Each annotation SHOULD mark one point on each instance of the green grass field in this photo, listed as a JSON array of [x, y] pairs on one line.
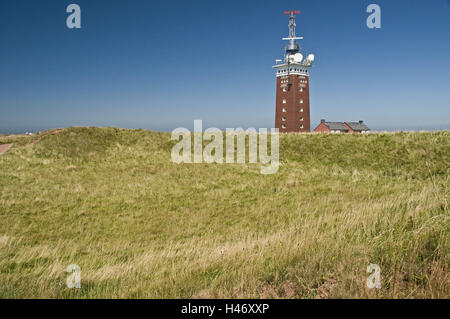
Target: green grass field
[[140, 226]]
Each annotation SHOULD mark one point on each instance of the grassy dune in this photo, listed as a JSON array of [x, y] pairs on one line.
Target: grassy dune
[[138, 225]]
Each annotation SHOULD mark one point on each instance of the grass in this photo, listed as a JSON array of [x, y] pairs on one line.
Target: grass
[[140, 226]]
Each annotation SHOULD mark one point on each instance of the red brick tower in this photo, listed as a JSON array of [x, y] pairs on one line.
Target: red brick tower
[[292, 102]]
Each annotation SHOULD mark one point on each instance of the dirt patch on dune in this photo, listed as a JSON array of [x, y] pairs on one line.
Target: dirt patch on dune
[[56, 131], [4, 148]]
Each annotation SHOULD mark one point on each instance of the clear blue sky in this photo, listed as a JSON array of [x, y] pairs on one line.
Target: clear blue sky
[[161, 64]]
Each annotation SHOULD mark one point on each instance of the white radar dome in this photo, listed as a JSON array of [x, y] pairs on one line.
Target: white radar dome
[[298, 57]]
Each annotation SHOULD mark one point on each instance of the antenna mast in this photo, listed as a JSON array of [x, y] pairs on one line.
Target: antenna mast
[[292, 47]]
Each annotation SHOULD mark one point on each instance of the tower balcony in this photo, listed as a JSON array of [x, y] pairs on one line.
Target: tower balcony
[[292, 69]]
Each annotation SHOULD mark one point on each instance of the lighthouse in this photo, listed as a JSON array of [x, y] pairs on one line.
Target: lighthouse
[[292, 112]]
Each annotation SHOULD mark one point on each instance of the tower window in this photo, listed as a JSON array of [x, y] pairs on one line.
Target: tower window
[[284, 101], [283, 118], [301, 110], [301, 119], [301, 125], [301, 89], [284, 89], [301, 101], [283, 126], [284, 109]]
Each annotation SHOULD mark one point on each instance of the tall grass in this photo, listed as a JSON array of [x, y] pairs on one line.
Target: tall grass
[[138, 225]]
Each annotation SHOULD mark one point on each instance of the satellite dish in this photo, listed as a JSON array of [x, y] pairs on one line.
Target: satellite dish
[[298, 57], [311, 57]]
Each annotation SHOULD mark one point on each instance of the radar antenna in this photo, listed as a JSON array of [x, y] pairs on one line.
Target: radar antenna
[[292, 47]]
